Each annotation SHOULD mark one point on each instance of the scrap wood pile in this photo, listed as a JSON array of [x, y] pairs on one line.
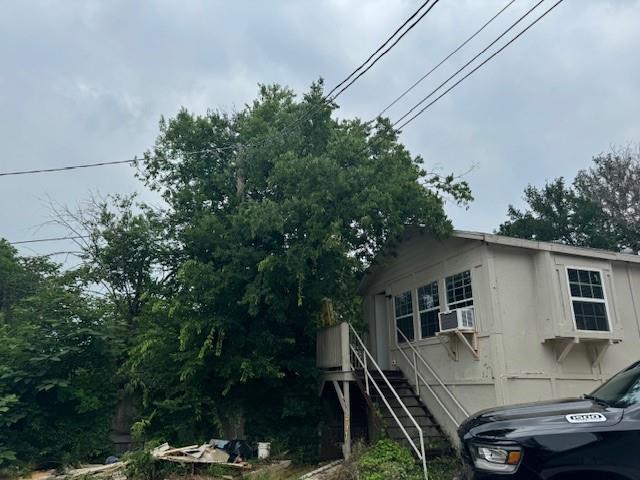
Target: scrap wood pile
[[113, 470], [205, 453]]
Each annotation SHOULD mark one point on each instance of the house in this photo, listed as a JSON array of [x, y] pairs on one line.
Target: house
[[529, 321]]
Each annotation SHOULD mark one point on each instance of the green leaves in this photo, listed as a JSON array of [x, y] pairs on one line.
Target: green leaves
[[598, 210], [271, 210], [56, 372]]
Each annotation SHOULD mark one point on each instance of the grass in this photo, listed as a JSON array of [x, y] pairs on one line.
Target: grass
[[443, 468]]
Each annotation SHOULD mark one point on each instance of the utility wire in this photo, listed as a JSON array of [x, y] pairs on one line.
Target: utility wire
[[328, 98], [379, 48], [98, 164], [362, 65], [433, 92], [53, 239], [387, 50], [421, 79], [69, 167], [479, 66]]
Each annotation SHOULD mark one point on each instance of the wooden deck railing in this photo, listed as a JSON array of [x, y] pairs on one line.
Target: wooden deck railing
[[332, 348]]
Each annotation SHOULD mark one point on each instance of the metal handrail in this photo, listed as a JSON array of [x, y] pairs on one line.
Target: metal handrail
[[364, 364], [434, 374]]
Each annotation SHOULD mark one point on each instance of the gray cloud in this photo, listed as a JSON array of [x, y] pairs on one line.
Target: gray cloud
[[86, 81]]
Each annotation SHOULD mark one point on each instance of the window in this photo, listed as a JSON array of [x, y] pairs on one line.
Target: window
[[429, 307], [622, 391], [459, 293], [587, 298], [404, 315]]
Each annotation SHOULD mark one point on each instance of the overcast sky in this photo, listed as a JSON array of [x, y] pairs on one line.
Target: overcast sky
[[87, 81]]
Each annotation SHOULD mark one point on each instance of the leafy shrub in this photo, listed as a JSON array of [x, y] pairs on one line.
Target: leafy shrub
[[139, 465], [57, 393], [388, 460]]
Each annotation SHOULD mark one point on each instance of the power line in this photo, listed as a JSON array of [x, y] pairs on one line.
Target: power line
[[328, 98], [52, 239], [99, 164], [387, 50], [455, 74], [481, 64], [361, 66], [69, 167], [421, 79]]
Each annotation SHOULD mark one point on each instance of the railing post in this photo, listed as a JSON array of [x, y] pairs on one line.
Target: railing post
[[345, 352], [346, 447], [366, 377], [415, 371]]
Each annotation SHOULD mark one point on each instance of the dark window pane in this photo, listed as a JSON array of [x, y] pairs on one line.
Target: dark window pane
[[591, 316], [575, 290], [429, 324], [585, 284], [405, 325], [403, 304], [428, 296], [459, 290], [573, 275], [583, 275]]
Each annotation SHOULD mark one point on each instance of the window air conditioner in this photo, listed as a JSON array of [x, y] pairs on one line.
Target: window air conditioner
[[462, 319]]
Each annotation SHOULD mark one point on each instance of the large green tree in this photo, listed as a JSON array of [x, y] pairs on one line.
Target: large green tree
[[56, 366], [269, 211], [599, 209]]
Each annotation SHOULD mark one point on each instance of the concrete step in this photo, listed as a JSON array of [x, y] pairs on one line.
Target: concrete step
[[435, 442], [408, 399], [434, 447], [394, 431], [424, 421]]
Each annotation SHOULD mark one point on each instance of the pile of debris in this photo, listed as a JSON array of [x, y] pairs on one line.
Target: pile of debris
[[110, 471], [232, 453]]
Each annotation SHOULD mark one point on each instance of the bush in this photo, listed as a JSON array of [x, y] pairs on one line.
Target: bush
[[388, 460]]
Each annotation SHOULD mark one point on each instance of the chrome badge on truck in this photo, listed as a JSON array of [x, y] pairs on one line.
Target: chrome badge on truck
[[586, 418]]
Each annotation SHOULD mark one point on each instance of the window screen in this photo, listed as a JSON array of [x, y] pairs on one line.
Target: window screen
[[459, 292], [587, 298], [403, 305], [429, 307]]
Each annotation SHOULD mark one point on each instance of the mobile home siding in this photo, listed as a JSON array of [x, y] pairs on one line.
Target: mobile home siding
[[523, 312]]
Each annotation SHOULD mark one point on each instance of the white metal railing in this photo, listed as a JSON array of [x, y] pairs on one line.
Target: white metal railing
[[419, 377], [362, 358]]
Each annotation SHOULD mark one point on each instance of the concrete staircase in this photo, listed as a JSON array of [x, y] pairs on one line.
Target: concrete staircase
[[435, 441]]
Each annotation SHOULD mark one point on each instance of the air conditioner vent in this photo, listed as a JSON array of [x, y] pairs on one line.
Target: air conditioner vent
[[462, 319]]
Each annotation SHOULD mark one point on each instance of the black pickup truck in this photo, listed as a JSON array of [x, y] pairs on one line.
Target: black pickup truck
[[594, 437]]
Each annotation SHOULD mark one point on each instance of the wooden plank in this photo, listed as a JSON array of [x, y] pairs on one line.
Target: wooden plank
[[320, 470], [340, 396], [188, 459], [93, 469], [567, 349]]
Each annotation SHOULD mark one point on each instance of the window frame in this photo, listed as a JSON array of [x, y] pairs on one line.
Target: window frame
[[604, 299], [446, 292], [437, 308], [411, 315]]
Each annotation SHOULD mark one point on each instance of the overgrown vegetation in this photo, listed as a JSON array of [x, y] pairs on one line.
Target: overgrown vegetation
[[205, 310], [56, 365], [388, 460]]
